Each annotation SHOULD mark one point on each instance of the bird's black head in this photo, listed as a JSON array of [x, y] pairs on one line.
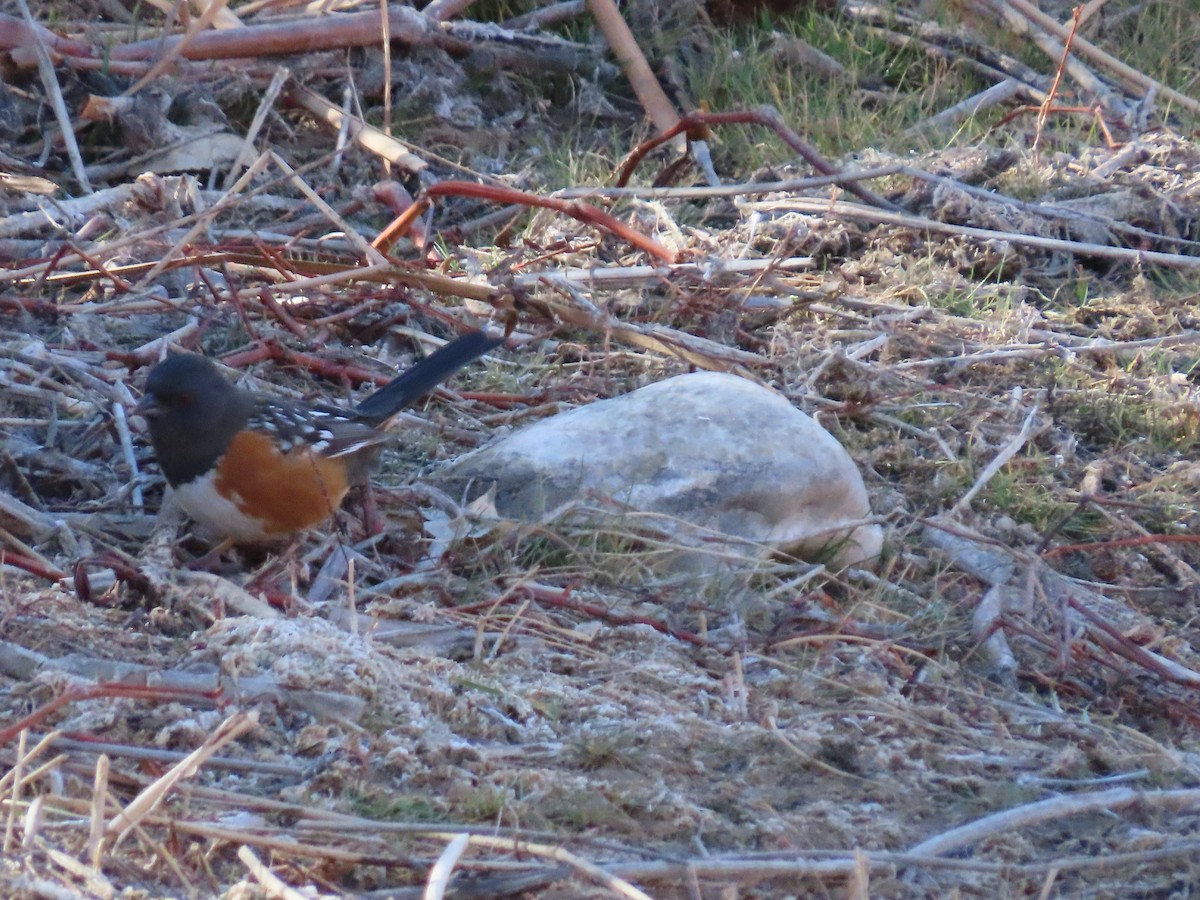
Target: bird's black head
[[192, 412], [176, 383]]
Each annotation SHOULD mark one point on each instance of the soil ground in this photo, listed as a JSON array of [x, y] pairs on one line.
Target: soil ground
[[1022, 398]]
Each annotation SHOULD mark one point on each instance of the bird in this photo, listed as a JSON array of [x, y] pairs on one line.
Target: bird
[[255, 470]]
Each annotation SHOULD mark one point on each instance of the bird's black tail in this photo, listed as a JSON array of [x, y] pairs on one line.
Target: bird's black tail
[[407, 388]]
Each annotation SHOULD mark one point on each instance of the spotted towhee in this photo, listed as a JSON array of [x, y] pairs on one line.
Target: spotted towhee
[[256, 469]]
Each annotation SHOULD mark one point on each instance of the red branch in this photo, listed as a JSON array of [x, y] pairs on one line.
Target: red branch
[[694, 123]]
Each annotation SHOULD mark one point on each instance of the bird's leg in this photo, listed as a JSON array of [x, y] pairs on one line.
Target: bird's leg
[[207, 561]]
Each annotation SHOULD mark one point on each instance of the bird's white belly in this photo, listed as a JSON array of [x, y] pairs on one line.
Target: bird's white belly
[[218, 517]]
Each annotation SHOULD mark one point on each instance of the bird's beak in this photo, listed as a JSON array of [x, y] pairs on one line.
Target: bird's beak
[[148, 407]]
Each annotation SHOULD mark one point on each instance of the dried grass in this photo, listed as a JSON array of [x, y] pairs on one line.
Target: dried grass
[[1007, 704]]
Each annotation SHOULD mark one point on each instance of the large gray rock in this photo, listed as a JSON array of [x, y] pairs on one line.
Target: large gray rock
[[711, 451]]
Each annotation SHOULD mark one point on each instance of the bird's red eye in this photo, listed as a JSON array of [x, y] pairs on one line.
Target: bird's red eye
[[185, 399]]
